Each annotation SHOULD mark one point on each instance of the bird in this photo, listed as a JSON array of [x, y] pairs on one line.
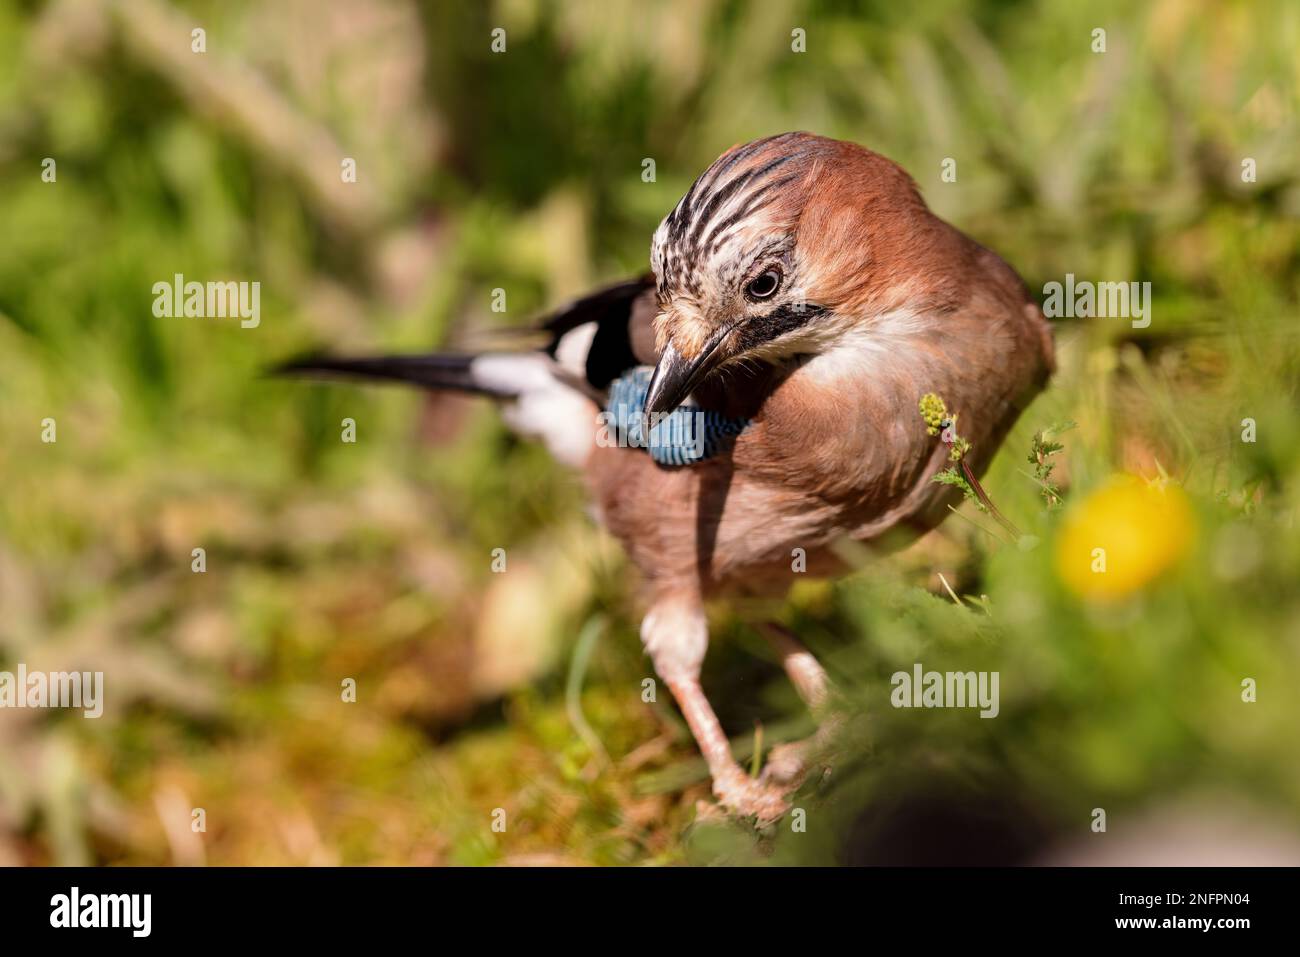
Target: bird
[[751, 401]]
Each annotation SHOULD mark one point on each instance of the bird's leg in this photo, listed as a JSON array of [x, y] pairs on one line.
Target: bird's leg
[[788, 764], [805, 672], [675, 633]]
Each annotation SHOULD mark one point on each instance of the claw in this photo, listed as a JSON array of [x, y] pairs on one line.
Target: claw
[[744, 796], [789, 765]]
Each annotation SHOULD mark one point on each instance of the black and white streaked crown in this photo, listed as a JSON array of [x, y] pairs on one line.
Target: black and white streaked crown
[[712, 225]]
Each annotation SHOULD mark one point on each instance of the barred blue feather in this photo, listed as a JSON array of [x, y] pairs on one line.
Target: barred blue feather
[[685, 436]]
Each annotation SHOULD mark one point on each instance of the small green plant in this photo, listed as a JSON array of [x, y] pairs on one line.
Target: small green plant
[[938, 421], [951, 476], [1041, 450]]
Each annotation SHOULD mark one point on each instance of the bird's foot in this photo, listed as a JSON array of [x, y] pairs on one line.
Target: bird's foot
[[743, 796], [789, 765]]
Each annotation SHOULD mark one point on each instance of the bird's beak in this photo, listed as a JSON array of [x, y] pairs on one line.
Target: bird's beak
[[675, 377]]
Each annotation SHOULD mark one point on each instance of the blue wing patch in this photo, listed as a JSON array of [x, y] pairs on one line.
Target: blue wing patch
[[685, 436]]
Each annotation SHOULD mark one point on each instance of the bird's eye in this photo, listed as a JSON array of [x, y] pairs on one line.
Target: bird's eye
[[764, 285]]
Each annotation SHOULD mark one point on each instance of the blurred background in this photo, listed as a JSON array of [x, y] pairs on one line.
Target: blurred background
[[371, 560]]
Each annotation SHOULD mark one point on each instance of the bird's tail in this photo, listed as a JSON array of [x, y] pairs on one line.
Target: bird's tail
[[459, 373], [540, 400]]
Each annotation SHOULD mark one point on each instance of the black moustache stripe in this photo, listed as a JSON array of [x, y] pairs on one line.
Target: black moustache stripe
[[787, 318]]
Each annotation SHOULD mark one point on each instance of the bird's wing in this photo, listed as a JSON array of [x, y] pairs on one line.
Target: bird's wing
[[603, 335]]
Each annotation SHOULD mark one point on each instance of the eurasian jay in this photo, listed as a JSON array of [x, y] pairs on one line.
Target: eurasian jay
[[803, 299]]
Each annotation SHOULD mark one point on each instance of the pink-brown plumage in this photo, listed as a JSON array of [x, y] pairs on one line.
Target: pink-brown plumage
[[836, 448]]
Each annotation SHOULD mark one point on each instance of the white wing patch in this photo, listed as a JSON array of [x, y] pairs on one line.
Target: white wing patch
[[543, 407], [573, 347]]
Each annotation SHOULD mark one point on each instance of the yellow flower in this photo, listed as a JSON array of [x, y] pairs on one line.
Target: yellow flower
[[933, 411], [1123, 536]]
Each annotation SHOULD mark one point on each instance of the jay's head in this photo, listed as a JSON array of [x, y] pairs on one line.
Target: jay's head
[[783, 247]]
